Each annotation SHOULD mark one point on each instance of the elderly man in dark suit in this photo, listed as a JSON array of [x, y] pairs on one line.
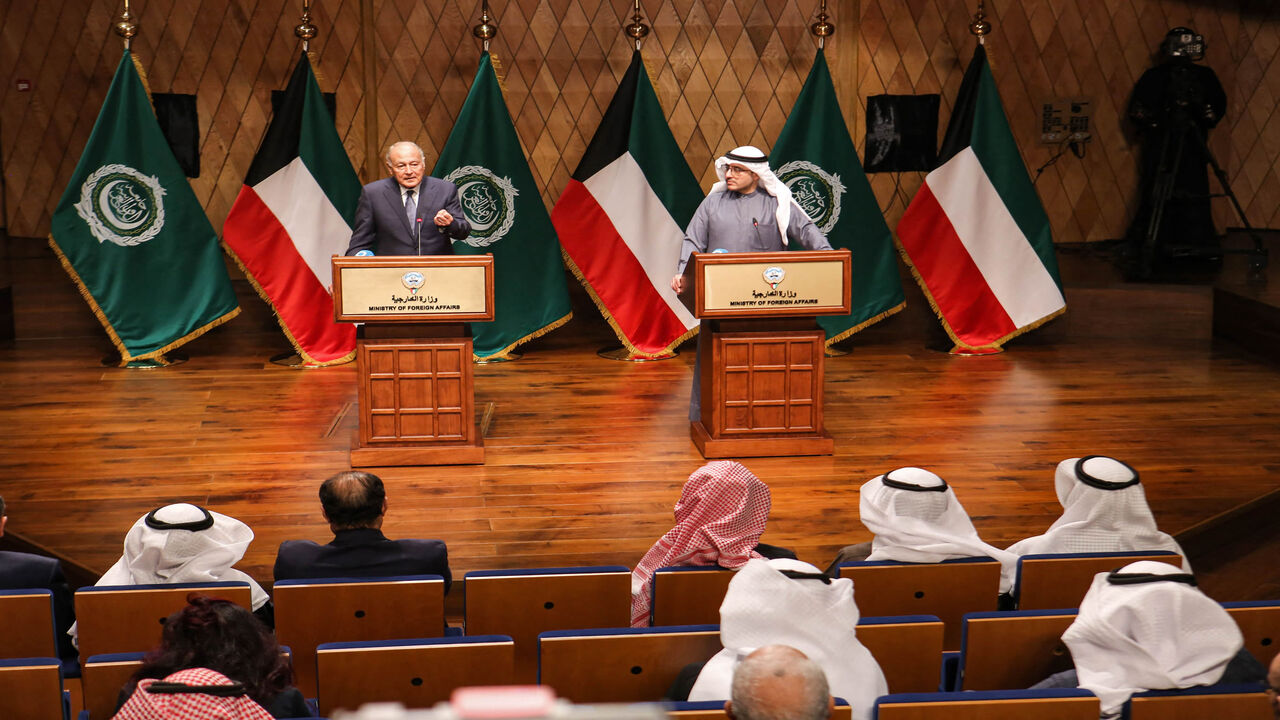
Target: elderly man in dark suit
[[20, 571], [408, 213], [355, 503]]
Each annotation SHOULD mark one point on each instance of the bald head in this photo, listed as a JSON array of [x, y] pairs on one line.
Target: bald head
[[777, 682], [353, 500]]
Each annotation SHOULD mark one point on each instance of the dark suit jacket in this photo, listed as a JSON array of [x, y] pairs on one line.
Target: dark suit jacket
[[20, 570], [383, 228], [362, 553]]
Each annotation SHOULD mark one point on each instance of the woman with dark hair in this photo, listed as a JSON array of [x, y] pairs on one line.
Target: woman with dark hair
[[219, 635]]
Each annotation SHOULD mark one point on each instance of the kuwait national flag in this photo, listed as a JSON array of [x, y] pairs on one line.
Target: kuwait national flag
[[621, 220], [975, 234], [294, 212]]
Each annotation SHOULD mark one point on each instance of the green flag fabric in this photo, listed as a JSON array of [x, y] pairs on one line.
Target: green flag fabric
[[132, 235], [815, 157], [483, 158]]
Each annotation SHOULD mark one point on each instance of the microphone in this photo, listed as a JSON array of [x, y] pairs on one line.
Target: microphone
[[364, 253], [418, 235], [754, 223]]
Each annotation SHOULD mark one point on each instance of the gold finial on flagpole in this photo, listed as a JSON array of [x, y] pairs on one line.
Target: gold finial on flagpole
[[980, 27], [822, 29], [637, 29], [305, 30], [486, 30], [126, 28]]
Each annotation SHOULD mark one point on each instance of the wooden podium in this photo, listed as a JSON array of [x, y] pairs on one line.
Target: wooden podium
[[413, 354], [761, 357]]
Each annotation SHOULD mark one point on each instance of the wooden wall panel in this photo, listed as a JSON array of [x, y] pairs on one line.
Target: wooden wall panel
[[726, 73]]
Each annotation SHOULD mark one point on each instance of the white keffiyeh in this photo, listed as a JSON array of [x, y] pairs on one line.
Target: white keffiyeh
[[769, 182], [917, 518], [765, 607], [1104, 509], [1148, 636]]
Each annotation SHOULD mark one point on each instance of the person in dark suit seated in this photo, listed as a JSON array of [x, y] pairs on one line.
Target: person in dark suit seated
[[720, 517], [355, 503], [21, 571], [408, 213], [223, 637]]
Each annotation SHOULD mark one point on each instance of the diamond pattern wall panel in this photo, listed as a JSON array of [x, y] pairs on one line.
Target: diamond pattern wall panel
[[725, 71]]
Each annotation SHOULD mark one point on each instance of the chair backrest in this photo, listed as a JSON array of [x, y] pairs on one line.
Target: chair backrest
[[1015, 649], [415, 673], [523, 603], [128, 618], [1050, 582], [101, 679], [689, 595], [1259, 622], [1072, 704], [1226, 701], [26, 624], [907, 648], [621, 665], [311, 612], [947, 590], [714, 710], [31, 688]]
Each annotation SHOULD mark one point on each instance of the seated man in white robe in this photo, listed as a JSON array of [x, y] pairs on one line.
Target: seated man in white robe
[[1103, 510]]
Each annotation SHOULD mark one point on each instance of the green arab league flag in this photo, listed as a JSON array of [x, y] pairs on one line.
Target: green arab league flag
[[132, 235], [815, 157], [483, 158]]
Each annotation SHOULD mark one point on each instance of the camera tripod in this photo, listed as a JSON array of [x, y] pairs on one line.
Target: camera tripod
[[1162, 192]]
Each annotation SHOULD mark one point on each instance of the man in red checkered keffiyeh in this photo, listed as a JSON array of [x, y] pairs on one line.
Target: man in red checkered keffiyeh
[[719, 520], [191, 694]]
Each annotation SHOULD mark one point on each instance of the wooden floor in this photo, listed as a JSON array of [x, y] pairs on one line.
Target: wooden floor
[[585, 456]]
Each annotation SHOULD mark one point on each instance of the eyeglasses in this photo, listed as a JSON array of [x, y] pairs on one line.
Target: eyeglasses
[[736, 170], [401, 167]]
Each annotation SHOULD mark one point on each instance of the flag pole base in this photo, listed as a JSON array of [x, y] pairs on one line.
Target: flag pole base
[[959, 351], [833, 351], [624, 355], [171, 358], [494, 360], [293, 360]]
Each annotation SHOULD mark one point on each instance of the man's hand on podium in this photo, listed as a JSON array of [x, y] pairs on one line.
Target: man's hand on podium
[[677, 284]]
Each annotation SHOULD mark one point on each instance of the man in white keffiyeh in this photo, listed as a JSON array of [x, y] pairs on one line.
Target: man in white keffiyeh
[[1148, 627], [1103, 510], [788, 602], [183, 543], [917, 518]]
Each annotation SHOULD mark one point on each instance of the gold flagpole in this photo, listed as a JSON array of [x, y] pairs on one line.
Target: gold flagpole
[[126, 28], [980, 27], [822, 29], [637, 30], [305, 30], [487, 29]]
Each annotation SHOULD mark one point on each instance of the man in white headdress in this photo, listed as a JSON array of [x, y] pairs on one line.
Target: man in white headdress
[[788, 602], [778, 681], [748, 210], [185, 543], [1103, 510], [1147, 626], [917, 518]]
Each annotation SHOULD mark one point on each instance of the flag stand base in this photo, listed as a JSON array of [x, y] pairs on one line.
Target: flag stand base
[[833, 351], [171, 358], [623, 354], [959, 351], [509, 357]]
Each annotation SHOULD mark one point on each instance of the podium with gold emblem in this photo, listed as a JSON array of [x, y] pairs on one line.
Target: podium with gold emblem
[[413, 355], [762, 353]]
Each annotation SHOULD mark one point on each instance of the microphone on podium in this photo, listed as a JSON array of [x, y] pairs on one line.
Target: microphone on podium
[[364, 253]]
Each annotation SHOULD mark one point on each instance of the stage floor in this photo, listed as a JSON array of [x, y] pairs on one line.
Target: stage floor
[[586, 456]]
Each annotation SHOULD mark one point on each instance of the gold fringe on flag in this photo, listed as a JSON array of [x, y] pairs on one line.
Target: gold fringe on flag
[[867, 323], [505, 353]]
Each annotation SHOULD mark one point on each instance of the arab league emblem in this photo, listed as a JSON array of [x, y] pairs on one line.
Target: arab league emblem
[[489, 202], [121, 205], [815, 190]]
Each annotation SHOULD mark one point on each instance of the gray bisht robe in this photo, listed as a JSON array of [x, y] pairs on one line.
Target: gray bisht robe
[[746, 223]]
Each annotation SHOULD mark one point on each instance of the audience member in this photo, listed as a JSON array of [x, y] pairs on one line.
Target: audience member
[[778, 682], [186, 543], [191, 694], [223, 637], [917, 518], [355, 503], [719, 520], [1103, 510], [1273, 685], [788, 602], [20, 570], [1147, 626]]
